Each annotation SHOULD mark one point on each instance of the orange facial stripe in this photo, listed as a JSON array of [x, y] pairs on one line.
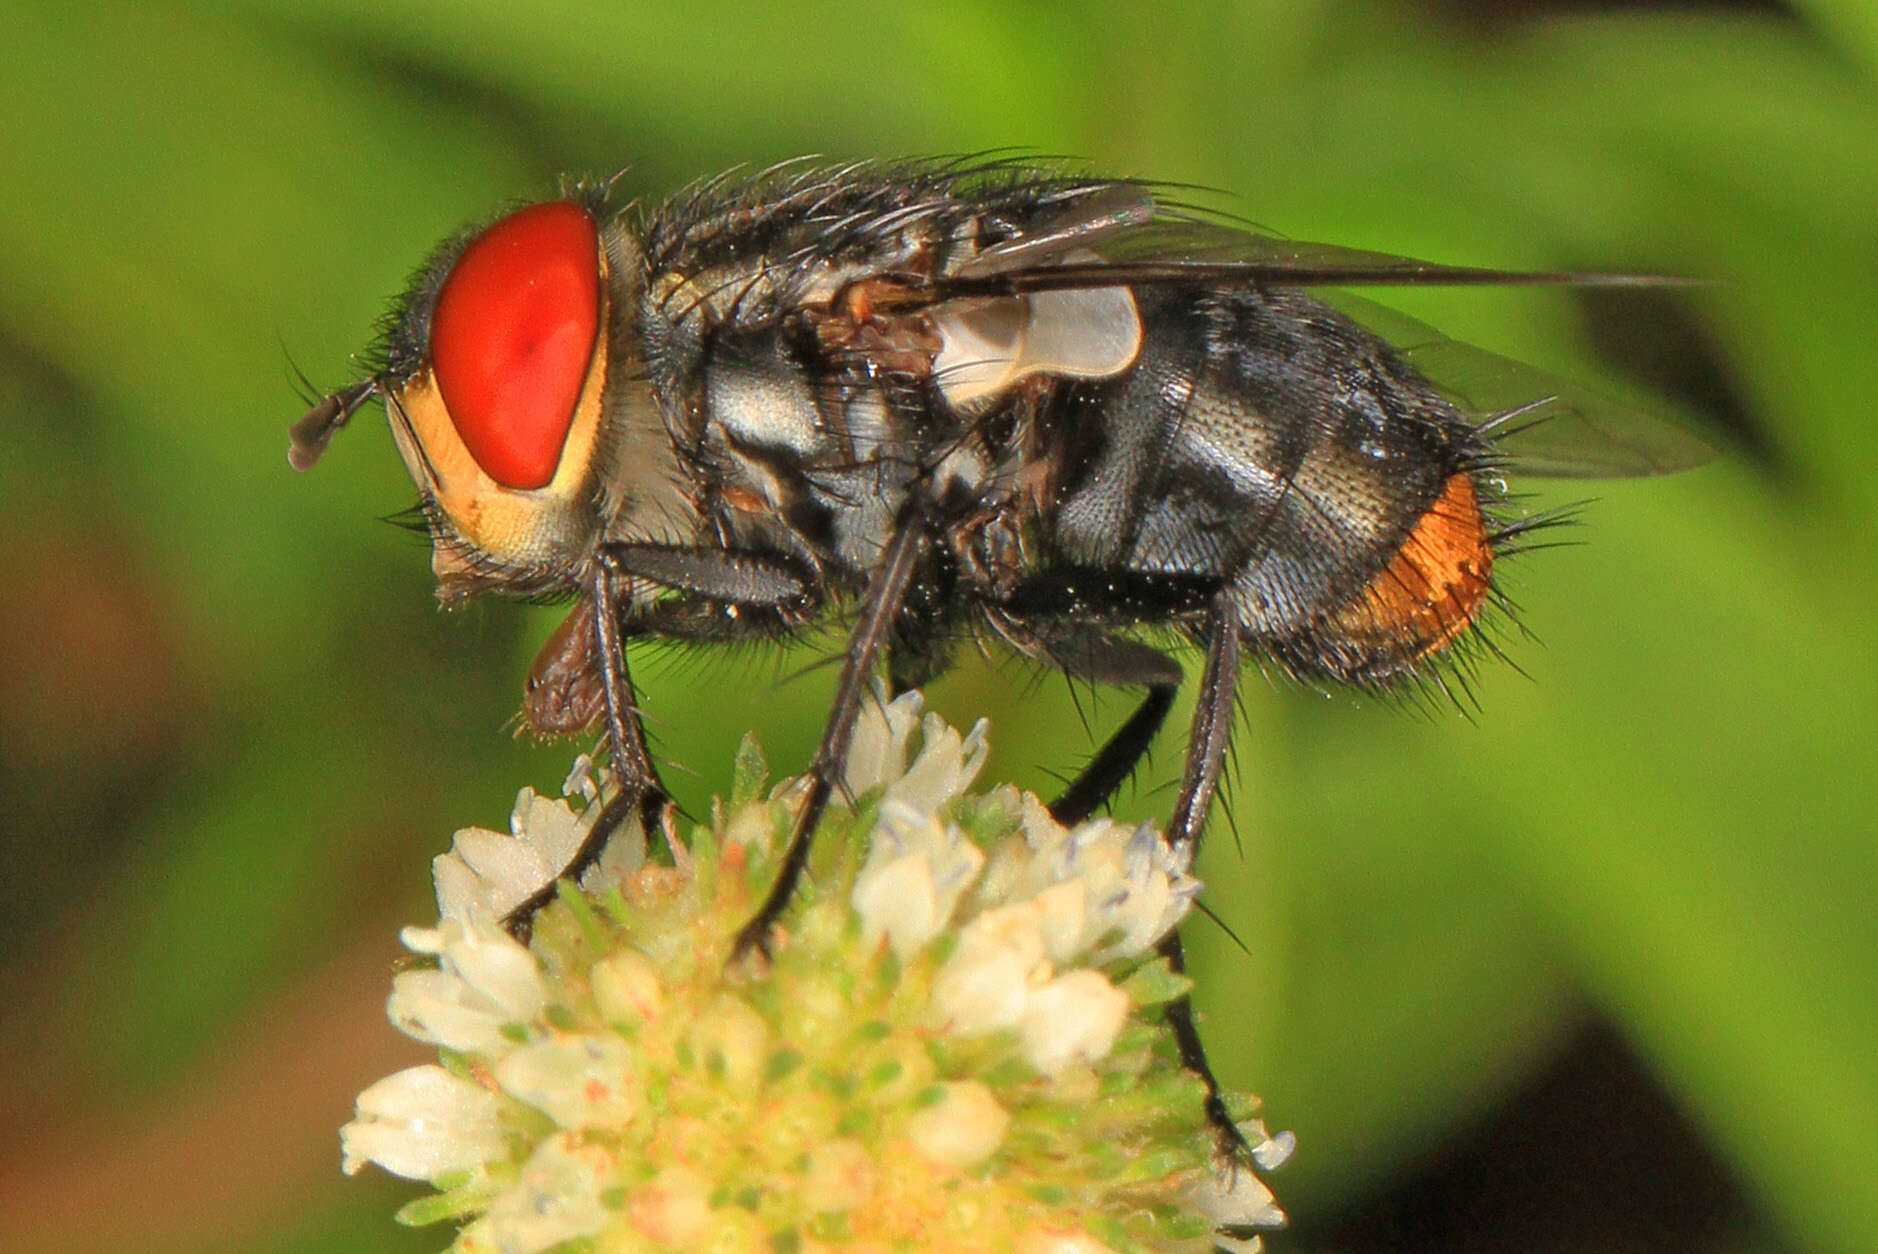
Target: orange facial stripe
[[1433, 590]]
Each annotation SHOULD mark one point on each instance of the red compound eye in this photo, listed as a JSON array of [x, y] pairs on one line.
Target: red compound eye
[[512, 335]]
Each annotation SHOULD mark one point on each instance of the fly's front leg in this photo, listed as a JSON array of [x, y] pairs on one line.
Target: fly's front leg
[[633, 771], [886, 592], [727, 576], [718, 594]]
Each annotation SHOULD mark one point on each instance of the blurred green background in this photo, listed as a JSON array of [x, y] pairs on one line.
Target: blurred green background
[[1594, 969]]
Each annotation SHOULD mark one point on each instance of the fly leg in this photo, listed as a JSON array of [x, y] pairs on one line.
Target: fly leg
[[720, 594], [1116, 760], [1040, 616], [886, 591], [1206, 756], [1212, 723], [1179, 1015], [638, 779], [1105, 659]]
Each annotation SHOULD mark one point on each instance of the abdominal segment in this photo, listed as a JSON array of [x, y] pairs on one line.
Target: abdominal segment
[[1431, 592]]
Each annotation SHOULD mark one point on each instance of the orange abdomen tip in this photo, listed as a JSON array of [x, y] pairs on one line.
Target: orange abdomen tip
[[1434, 587]]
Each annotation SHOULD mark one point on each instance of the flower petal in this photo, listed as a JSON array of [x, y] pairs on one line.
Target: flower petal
[[582, 1080], [946, 765], [963, 1128], [984, 985], [496, 967], [1075, 1018], [556, 1199], [917, 871], [877, 751], [437, 1008], [420, 1123], [1233, 1195]]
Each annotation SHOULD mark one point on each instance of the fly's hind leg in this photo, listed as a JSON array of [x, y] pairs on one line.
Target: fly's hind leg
[[1212, 723], [1206, 757], [1047, 617], [1102, 658]]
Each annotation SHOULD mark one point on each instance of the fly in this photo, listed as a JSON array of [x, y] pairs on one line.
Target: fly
[[962, 399]]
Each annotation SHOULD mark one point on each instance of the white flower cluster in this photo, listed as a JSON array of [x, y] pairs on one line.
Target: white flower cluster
[[487, 874], [529, 1125], [1038, 902]]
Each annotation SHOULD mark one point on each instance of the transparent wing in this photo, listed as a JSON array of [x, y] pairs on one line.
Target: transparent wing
[[1114, 235], [1545, 425]]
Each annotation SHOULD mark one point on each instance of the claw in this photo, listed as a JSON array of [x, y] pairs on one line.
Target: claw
[[520, 922], [751, 949]]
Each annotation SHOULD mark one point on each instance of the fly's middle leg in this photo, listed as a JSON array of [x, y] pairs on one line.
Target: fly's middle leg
[[1116, 760], [886, 592], [1049, 617]]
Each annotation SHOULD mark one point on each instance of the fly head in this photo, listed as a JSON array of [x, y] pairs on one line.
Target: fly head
[[513, 384]]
